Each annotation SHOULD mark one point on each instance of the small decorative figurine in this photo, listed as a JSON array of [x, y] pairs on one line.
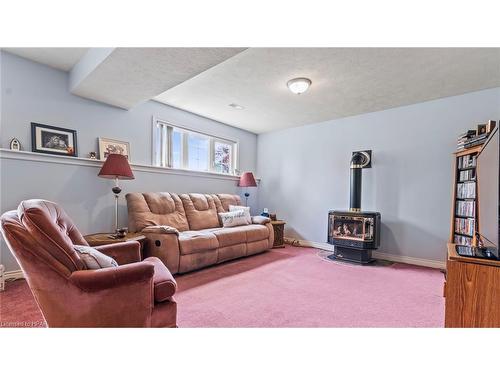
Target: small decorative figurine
[[15, 144], [122, 232], [92, 155]]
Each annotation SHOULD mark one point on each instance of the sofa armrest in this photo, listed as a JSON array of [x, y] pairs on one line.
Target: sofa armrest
[[164, 246], [113, 277], [122, 252], [160, 229], [260, 220]]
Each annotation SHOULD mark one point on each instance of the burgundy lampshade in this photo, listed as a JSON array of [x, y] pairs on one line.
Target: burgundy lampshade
[[116, 166], [247, 180]]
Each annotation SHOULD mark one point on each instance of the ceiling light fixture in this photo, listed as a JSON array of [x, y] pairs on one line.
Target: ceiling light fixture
[[299, 85], [236, 106]]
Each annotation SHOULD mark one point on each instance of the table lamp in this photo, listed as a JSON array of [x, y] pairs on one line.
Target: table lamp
[[247, 180], [116, 166]]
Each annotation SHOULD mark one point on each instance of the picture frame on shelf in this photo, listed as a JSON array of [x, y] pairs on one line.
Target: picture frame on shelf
[[481, 129], [47, 139], [113, 146]]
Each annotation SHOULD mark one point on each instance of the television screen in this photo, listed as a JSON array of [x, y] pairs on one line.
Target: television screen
[[488, 174]]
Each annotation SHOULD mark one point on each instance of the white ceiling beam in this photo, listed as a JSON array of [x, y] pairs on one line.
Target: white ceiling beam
[[125, 77], [87, 64]]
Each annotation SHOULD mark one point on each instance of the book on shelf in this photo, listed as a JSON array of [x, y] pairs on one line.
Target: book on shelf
[[463, 240], [467, 161], [467, 175], [475, 137], [465, 226], [476, 141], [466, 190], [464, 137], [465, 208]]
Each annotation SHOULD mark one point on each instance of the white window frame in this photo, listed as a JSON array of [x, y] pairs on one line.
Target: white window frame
[[162, 147]]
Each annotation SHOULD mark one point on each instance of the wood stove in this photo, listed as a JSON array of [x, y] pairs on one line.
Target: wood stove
[[355, 233]]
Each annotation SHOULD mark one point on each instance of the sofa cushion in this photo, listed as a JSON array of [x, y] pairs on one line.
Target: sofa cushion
[[242, 234], [146, 209], [201, 211], [256, 232], [227, 199], [163, 282], [230, 236], [191, 242]]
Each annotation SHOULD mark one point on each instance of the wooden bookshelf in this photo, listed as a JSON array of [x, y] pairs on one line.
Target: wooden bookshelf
[[472, 285], [457, 233]]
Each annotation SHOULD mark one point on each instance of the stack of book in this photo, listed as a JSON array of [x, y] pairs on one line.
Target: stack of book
[[476, 141], [465, 137]]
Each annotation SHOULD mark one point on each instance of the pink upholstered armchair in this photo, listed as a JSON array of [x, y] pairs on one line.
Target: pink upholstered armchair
[[134, 294]]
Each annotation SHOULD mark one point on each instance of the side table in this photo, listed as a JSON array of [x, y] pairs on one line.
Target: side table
[[279, 232], [98, 239]]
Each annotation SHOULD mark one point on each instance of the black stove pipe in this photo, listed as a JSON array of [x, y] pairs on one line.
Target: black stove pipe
[[358, 161], [356, 181]]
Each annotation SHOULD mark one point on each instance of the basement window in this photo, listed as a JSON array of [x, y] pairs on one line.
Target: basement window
[[182, 148]]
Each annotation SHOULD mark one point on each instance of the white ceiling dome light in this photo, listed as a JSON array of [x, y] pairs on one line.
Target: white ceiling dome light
[[299, 85]]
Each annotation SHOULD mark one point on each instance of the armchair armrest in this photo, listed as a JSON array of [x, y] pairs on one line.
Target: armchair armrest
[[107, 278], [260, 220], [165, 285], [122, 252], [160, 229]]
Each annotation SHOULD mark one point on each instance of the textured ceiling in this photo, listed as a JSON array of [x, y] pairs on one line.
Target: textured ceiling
[[129, 76], [345, 82], [59, 58]]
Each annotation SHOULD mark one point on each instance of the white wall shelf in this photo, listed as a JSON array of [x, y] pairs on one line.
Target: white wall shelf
[[70, 160]]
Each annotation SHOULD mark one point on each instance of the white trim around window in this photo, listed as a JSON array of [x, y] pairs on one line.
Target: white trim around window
[[181, 147]]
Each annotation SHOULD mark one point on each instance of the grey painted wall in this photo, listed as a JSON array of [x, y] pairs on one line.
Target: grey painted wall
[[34, 92], [305, 170]]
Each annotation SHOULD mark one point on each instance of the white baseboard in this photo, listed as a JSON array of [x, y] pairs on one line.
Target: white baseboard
[[376, 254], [17, 274]]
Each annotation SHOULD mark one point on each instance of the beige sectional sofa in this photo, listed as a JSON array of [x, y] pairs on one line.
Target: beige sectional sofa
[[185, 232]]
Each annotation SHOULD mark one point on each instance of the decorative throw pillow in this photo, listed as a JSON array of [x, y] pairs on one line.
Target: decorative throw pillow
[[233, 219], [245, 209], [94, 259]]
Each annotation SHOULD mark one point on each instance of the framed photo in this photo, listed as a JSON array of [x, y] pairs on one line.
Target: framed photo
[[53, 140], [481, 129], [112, 146]]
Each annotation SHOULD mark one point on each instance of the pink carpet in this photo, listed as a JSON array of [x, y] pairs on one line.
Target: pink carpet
[[290, 287]]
